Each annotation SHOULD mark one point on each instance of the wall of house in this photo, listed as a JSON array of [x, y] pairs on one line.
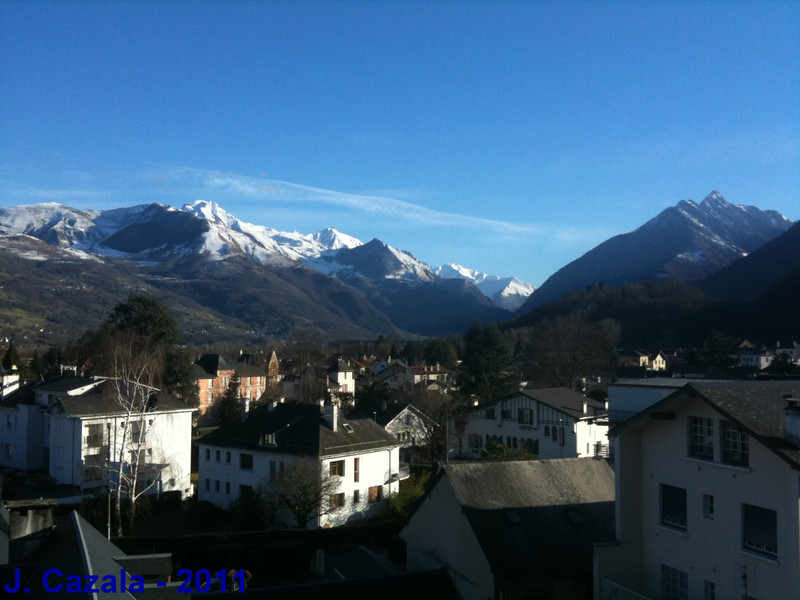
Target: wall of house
[[710, 548], [379, 469], [168, 446], [504, 426], [588, 434], [439, 535], [21, 437], [220, 476]]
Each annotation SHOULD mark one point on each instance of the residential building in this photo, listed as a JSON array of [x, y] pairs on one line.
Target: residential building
[[628, 397], [341, 379], [73, 429], [9, 381], [269, 440], [707, 496], [400, 376], [547, 423], [514, 530], [213, 374], [405, 422]]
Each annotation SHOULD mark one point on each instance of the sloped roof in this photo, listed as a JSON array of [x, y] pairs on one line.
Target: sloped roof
[[101, 400], [383, 415], [536, 517], [299, 429], [562, 398], [340, 366], [756, 406]]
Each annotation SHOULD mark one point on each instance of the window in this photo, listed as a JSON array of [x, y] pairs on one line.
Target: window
[[375, 494], [525, 416], [93, 470], [735, 445], [216, 485], [561, 437], [547, 430], [554, 432], [760, 530], [208, 453], [246, 461], [337, 500], [490, 413], [337, 468], [708, 506], [227, 487], [709, 591], [356, 469], [217, 455], [506, 414], [207, 484], [94, 437], [674, 584], [138, 433], [356, 496], [273, 471], [228, 457], [701, 437], [673, 506]]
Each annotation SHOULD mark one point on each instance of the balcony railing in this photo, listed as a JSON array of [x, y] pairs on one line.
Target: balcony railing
[[93, 441]]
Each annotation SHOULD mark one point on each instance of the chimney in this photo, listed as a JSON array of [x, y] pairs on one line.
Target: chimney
[[331, 415], [791, 413]]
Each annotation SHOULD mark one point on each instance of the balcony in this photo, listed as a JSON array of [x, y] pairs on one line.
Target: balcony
[[403, 472]]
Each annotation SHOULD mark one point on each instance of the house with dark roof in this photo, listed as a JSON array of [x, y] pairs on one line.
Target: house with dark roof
[[404, 421], [547, 423], [361, 457], [213, 375], [514, 530], [707, 495], [400, 376]]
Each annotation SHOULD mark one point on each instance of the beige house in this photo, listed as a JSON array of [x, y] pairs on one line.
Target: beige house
[[707, 496]]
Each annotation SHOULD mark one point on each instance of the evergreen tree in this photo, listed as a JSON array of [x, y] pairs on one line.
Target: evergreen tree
[[229, 405], [486, 363]]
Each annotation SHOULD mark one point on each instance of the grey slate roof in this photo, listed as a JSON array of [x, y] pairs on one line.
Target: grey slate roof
[[100, 401], [536, 517], [299, 429], [757, 406]]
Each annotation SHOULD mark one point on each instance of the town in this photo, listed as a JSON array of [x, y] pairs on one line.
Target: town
[[425, 467]]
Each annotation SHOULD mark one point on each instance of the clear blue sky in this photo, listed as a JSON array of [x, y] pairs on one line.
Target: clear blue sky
[[510, 137]]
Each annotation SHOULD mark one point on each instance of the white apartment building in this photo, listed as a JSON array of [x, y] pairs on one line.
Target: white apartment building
[[707, 492], [258, 449]]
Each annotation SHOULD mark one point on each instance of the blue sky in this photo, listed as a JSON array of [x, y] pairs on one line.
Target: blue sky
[[510, 137]]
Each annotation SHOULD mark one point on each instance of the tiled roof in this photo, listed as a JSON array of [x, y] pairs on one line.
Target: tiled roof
[[536, 517], [299, 429]]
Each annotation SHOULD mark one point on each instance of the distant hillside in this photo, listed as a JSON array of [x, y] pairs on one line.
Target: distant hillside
[[686, 242]]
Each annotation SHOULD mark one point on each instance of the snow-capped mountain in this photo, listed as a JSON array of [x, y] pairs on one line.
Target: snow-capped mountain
[[686, 242], [508, 292], [185, 245]]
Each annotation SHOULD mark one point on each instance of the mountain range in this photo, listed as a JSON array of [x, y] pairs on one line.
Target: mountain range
[[62, 270], [255, 279], [686, 242]]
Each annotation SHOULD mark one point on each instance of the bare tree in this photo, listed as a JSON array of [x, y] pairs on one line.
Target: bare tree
[[134, 363], [306, 491]]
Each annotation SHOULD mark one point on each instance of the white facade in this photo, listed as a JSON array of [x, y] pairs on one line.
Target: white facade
[[79, 445], [627, 398], [703, 507], [70, 428], [553, 423], [366, 467]]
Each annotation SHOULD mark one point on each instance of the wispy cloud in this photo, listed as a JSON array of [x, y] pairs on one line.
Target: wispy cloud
[[271, 190]]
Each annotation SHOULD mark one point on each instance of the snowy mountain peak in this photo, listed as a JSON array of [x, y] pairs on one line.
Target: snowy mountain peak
[[333, 239], [211, 212], [508, 292]]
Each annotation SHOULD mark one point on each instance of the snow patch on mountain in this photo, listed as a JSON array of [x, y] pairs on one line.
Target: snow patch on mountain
[[507, 292]]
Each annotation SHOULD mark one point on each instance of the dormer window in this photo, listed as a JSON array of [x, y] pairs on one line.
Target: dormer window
[[269, 439]]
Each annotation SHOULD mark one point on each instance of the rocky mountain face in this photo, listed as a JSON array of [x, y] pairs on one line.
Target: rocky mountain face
[[267, 281], [686, 242]]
